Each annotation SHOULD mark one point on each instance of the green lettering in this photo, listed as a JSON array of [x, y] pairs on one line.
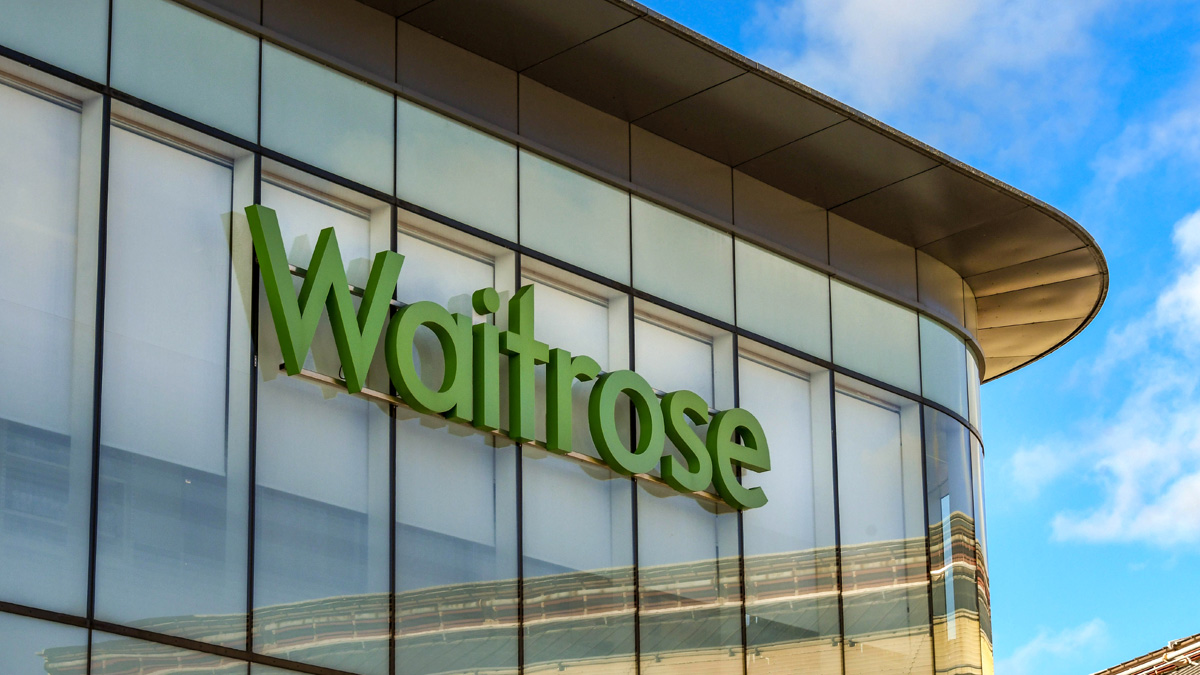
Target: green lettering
[[560, 376], [698, 473], [603, 422], [453, 398], [728, 454], [524, 354]]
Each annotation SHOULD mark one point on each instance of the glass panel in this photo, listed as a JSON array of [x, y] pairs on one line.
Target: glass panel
[[943, 366], [884, 574], [578, 564], [790, 546], [327, 119], [689, 583], [976, 417], [981, 573], [875, 337], [46, 421], [113, 655], [579, 323], [682, 260], [188, 63], [574, 218], [173, 502], [456, 503], [322, 534], [461, 173], [782, 300], [672, 358], [71, 34], [33, 647], [952, 544]]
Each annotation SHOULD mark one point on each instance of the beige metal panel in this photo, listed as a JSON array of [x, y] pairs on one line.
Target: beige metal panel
[[1019, 237], [837, 164], [1063, 300], [579, 130], [778, 219], [1025, 340], [1070, 265], [714, 122], [970, 310], [394, 7], [518, 33], [940, 288], [681, 174], [457, 77], [929, 206], [872, 257], [357, 34], [993, 368], [634, 70]]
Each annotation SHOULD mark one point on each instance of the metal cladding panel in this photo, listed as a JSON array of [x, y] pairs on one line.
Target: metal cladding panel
[[681, 174], [359, 35], [872, 257], [940, 287], [713, 122], [518, 33], [837, 164], [578, 130], [929, 206], [1019, 237], [395, 7], [454, 75], [1027, 340], [1063, 300], [634, 70], [779, 219], [1051, 269], [250, 10]]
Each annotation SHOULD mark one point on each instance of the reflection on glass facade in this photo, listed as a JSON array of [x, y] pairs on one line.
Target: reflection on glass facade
[[166, 479]]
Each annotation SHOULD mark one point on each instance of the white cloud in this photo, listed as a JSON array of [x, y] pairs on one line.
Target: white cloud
[[1054, 651], [1146, 454], [996, 75]]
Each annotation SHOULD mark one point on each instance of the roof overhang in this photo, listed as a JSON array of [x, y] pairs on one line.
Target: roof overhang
[[1038, 276]]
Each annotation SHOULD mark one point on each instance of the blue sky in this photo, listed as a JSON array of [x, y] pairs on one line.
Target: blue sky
[[1093, 454]]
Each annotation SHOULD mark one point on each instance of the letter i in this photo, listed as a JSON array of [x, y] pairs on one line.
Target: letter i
[[486, 375]]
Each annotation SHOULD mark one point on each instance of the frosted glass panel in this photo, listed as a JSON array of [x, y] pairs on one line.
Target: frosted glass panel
[[459, 172], [438, 273], [578, 565], [46, 358], [687, 572], [884, 563], [574, 218], [683, 261], [943, 366], [327, 119], [976, 416], [671, 360], [323, 490], [187, 63], [875, 337], [782, 300], [173, 501], [114, 654], [31, 647], [71, 34]]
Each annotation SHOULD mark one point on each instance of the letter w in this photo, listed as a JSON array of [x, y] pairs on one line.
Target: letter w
[[324, 284]]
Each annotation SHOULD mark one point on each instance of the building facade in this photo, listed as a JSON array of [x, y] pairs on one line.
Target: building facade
[[187, 486]]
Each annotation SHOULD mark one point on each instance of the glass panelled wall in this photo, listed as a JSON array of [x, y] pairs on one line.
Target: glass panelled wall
[[163, 478]]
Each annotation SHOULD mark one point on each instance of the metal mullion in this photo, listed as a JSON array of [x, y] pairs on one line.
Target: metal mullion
[[520, 492], [929, 544], [98, 363], [633, 487], [394, 239], [252, 446]]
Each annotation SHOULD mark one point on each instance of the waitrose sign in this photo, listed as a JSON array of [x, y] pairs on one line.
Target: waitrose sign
[[470, 388]]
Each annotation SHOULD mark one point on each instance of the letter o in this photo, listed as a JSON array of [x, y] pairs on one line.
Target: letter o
[[602, 421]]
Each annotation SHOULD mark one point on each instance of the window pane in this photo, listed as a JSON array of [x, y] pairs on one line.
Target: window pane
[[327, 119], [71, 34], [976, 417], [33, 647], [187, 63], [884, 574], [683, 261], [46, 421], [172, 486], [791, 559], [875, 337], [782, 300], [671, 359], [459, 172], [322, 496], [113, 655], [943, 366], [688, 583], [574, 218], [578, 548], [952, 544], [982, 580]]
